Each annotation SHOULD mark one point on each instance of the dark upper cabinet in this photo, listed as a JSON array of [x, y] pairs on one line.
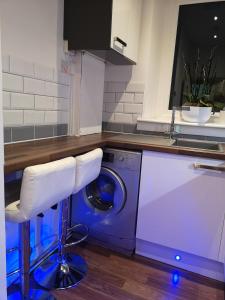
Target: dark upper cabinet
[[109, 29]]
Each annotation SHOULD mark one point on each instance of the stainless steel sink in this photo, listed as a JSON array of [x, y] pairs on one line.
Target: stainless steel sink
[[212, 146]]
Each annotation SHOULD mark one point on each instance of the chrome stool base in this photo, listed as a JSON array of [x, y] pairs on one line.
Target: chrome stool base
[[53, 274], [33, 295]]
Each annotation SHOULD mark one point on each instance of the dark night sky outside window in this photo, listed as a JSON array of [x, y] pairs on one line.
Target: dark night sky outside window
[[201, 28]]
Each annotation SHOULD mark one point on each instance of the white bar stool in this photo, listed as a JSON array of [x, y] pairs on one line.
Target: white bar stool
[[61, 271], [42, 187]]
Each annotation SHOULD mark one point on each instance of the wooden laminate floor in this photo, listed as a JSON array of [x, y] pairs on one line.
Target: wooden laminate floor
[[112, 276]]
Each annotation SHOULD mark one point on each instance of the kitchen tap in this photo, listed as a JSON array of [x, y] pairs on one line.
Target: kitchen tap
[[172, 131]]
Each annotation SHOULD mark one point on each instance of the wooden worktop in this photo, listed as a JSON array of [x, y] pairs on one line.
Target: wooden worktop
[[21, 155]]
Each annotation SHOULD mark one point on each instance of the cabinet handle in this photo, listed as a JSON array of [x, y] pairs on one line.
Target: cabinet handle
[[208, 167], [117, 39]]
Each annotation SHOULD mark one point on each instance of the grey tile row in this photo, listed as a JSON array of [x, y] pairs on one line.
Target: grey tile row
[[23, 133], [132, 128], [119, 127], [126, 128]]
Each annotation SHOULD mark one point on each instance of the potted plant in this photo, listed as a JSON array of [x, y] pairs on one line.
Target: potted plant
[[198, 84]]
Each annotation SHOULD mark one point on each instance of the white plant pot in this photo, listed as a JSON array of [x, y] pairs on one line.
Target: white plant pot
[[197, 114]]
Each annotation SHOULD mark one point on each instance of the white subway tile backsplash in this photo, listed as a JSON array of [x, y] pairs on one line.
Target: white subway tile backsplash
[[62, 78], [135, 87], [43, 72], [52, 89], [57, 90], [125, 97], [135, 117], [113, 107], [13, 83], [34, 86], [5, 63], [32, 117], [138, 98], [51, 117], [107, 117], [61, 104], [6, 100], [123, 118], [106, 83], [34, 94], [64, 104], [13, 117], [44, 103], [64, 91], [123, 102], [109, 97], [133, 108], [21, 67], [22, 101], [115, 86], [63, 117]]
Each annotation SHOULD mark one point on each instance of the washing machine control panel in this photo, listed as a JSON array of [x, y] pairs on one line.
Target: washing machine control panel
[[108, 157], [114, 157], [122, 159]]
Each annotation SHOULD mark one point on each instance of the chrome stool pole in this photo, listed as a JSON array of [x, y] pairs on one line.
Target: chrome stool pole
[[24, 292], [61, 270]]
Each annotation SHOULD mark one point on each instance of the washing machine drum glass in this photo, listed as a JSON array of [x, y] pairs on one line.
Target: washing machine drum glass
[[107, 192]]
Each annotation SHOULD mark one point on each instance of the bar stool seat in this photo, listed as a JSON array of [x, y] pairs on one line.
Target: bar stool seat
[[42, 187], [64, 270]]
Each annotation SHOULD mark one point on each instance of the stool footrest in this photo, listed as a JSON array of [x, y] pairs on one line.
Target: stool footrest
[[82, 238]]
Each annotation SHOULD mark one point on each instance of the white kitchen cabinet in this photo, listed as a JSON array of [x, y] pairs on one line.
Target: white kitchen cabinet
[[110, 29], [126, 22], [179, 206]]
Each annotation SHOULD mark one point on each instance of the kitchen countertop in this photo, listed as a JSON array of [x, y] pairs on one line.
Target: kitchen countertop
[[21, 155]]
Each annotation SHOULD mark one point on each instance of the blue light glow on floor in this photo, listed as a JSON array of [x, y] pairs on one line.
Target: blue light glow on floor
[[175, 278]]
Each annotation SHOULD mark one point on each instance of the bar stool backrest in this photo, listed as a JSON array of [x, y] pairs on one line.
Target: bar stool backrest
[[46, 185], [88, 167]]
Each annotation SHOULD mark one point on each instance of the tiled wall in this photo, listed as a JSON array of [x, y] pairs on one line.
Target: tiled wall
[[123, 104], [36, 100]]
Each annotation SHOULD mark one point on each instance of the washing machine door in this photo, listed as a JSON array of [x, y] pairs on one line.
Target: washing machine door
[[106, 194]]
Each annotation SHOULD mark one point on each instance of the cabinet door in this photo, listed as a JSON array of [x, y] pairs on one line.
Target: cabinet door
[[179, 206], [126, 20]]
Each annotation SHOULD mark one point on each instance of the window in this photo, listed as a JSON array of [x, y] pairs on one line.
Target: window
[[199, 61]]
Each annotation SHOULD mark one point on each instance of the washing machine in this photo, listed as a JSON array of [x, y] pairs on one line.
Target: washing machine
[[108, 205]]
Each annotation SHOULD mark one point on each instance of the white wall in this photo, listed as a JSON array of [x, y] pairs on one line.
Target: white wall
[[3, 295], [33, 30]]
